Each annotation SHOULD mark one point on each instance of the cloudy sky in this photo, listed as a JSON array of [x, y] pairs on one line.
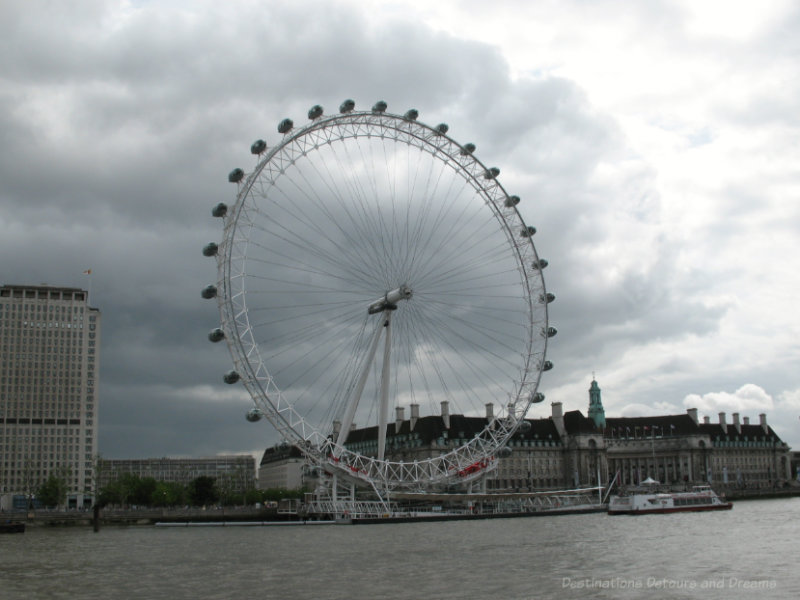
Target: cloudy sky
[[654, 145]]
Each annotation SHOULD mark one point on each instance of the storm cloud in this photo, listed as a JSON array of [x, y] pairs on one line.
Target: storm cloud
[[655, 154]]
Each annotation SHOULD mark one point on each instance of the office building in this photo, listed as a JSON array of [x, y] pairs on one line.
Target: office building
[[235, 471], [283, 466], [49, 370]]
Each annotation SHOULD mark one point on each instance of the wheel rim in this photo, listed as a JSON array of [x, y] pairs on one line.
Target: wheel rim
[[334, 217]]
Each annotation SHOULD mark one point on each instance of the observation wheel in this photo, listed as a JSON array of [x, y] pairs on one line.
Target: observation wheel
[[371, 264]]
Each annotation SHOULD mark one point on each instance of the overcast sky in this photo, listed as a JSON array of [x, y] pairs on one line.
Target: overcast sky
[[655, 146]]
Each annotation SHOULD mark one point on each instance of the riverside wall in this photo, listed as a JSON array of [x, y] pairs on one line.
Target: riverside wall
[[142, 516], [148, 516]]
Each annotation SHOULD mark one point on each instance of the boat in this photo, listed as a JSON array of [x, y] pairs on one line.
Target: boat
[[701, 498], [12, 527]]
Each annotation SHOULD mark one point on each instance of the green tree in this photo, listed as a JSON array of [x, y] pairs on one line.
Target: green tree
[[110, 493], [229, 487], [30, 481], [253, 495], [127, 483], [202, 491], [277, 494], [142, 491], [53, 492], [99, 468], [168, 493], [124, 490]]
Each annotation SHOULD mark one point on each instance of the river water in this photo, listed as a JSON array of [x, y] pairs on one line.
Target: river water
[[748, 552]]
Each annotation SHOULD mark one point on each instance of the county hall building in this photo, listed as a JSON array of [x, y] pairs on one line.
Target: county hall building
[[572, 449]]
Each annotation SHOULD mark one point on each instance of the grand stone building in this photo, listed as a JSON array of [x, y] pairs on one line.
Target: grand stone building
[[570, 450], [673, 449], [680, 449], [49, 372]]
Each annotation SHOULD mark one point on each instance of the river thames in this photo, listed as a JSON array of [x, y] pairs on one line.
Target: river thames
[[748, 552]]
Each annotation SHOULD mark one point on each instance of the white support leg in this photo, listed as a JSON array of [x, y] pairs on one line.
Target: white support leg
[[350, 413], [385, 376]]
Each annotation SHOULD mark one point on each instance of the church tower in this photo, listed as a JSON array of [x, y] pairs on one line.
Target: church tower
[[596, 411]]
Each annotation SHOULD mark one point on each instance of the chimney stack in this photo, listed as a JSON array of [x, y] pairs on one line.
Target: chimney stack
[[414, 415], [722, 422], [764, 425], [489, 412], [706, 420], [692, 412], [446, 414], [746, 420], [399, 417], [736, 423], [558, 419]]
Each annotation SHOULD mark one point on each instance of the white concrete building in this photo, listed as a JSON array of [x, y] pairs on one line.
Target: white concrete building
[[236, 470], [49, 371], [282, 467]]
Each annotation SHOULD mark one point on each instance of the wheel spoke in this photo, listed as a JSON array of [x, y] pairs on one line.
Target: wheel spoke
[[351, 223]]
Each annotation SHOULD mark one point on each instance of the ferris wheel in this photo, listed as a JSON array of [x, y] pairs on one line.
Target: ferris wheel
[[371, 263]]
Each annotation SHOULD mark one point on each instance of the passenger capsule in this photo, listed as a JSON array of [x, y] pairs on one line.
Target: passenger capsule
[[235, 176], [529, 231], [379, 107], [540, 264], [551, 332], [504, 452], [512, 201], [537, 397], [315, 112], [411, 114], [253, 415], [491, 173], [525, 426], [230, 377], [442, 128], [547, 298], [216, 335], [258, 147], [220, 210], [210, 249], [285, 126], [547, 365], [210, 291], [467, 149], [347, 106]]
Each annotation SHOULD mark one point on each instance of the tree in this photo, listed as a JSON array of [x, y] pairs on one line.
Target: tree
[[253, 496], [168, 493], [99, 467], [125, 489], [30, 474], [202, 491], [277, 494], [142, 490], [53, 492], [109, 494]]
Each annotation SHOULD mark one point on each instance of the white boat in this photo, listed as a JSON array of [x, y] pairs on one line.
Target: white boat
[[642, 503]]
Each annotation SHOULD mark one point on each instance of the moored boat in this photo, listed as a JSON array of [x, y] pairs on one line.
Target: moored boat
[[699, 499], [12, 527]]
